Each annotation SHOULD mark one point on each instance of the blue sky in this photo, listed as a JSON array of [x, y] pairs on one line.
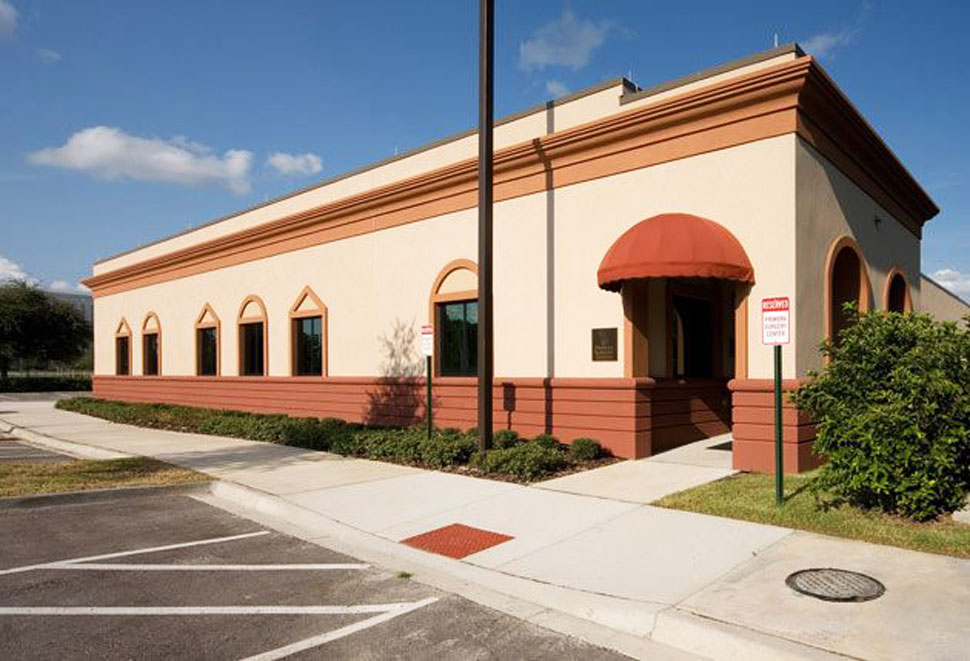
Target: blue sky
[[122, 122]]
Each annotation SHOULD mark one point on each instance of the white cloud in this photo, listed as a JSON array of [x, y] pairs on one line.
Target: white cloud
[[826, 43], [955, 281], [11, 270], [48, 55], [566, 41], [295, 164], [60, 285], [8, 20], [556, 88], [110, 153]]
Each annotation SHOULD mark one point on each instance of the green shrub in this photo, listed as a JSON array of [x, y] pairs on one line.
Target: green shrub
[[547, 441], [505, 438], [402, 445], [526, 461], [441, 451], [586, 449], [313, 433], [237, 424], [351, 444], [893, 413]]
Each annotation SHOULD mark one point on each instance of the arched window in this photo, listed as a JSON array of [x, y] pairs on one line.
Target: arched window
[[897, 298], [308, 335], [847, 282], [208, 327], [453, 309], [253, 331], [151, 345], [123, 348]]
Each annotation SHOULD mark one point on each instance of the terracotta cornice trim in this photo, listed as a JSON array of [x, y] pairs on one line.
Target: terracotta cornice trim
[[830, 123], [453, 187], [755, 106]]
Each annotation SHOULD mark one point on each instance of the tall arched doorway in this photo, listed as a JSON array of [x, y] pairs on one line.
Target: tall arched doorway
[[848, 282], [897, 293]]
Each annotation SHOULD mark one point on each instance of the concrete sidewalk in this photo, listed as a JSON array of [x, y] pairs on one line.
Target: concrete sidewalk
[[587, 555]]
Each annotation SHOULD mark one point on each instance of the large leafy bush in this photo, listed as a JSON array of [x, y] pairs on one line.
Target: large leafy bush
[[893, 413]]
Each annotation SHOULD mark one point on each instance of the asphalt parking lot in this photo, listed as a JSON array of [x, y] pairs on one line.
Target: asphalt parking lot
[[14, 451], [161, 575]]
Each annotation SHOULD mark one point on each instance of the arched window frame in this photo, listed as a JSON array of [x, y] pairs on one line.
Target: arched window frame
[[157, 332], [123, 330], [865, 297], [202, 323], [241, 321], [319, 310], [895, 272], [437, 297]]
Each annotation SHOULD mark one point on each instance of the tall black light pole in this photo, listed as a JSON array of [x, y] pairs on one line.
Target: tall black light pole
[[485, 92]]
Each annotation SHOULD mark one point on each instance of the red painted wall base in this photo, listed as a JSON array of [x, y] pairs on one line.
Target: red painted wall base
[[754, 428], [633, 418]]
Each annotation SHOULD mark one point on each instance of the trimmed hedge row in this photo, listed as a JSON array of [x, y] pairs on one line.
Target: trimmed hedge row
[[511, 456], [45, 383]]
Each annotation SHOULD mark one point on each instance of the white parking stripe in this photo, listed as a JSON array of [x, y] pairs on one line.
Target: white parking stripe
[[295, 567], [362, 609], [121, 554], [316, 641]]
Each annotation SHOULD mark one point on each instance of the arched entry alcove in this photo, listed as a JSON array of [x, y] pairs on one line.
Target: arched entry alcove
[[897, 297], [847, 281], [684, 282]]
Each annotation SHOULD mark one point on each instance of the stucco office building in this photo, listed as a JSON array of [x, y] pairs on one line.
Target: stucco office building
[[636, 232]]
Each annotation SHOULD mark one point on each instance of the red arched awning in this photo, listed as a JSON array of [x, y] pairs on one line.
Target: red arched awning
[[674, 245]]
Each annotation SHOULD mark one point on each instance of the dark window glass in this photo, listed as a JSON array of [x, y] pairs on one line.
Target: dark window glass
[[458, 338], [208, 358], [150, 354], [121, 356], [308, 345], [251, 349]]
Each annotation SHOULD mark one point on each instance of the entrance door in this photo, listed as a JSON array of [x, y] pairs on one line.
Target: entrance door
[[694, 341]]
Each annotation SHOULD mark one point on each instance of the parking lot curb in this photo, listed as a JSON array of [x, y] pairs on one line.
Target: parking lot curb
[[714, 639], [77, 450], [95, 495], [619, 624]]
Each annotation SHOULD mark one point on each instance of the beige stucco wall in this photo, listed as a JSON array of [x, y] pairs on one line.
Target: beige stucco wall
[[830, 206], [940, 303], [373, 282], [567, 114]]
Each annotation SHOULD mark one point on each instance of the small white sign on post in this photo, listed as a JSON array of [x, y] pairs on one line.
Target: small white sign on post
[[775, 320], [427, 340]]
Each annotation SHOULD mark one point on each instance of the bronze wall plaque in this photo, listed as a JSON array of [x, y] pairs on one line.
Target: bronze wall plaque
[[604, 344]]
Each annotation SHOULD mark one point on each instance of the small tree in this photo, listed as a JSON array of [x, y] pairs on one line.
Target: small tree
[[37, 327], [893, 412]]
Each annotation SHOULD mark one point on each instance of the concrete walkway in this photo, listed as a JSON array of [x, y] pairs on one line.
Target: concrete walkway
[[585, 548]]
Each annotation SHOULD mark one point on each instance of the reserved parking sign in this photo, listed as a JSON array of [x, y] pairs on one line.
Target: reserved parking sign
[[775, 320]]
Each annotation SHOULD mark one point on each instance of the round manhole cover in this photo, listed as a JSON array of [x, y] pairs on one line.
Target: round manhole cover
[[835, 585]]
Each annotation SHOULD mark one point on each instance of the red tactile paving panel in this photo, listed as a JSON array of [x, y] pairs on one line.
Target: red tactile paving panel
[[456, 540]]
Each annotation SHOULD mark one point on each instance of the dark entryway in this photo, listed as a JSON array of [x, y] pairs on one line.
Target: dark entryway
[[694, 339]]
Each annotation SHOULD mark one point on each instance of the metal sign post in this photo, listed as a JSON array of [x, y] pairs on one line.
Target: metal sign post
[[427, 348], [775, 326]]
